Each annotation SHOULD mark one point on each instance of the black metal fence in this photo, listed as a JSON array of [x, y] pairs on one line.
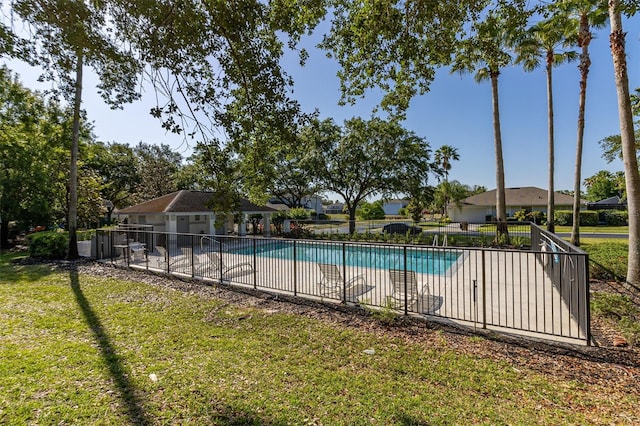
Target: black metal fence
[[522, 291]]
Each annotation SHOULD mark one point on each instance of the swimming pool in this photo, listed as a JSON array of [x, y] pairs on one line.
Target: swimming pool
[[425, 260]]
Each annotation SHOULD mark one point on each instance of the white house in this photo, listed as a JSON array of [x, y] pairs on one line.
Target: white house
[[481, 208], [335, 208], [392, 207]]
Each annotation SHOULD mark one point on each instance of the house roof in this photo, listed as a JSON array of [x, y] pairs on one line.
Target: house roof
[[188, 202], [609, 201], [524, 196]]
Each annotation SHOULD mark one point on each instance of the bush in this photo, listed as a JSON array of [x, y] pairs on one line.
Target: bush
[[298, 213], [520, 215], [48, 245], [589, 218], [615, 217], [565, 218]]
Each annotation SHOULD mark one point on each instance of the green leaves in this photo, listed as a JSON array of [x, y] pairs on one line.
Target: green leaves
[[371, 157], [394, 46]]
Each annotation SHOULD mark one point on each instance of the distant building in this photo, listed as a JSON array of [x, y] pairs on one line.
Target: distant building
[[611, 203], [482, 207], [392, 207], [335, 208]]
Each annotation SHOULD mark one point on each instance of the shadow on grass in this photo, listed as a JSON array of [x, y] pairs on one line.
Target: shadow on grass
[[133, 407]]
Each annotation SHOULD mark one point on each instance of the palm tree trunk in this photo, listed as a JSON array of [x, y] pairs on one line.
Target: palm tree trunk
[[584, 38], [632, 176], [72, 252], [551, 194], [501, 207]]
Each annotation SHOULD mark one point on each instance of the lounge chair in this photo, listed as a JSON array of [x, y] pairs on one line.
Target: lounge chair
[[332, 283], [406, 292], [218, 267], [164, 256], [174, 261]]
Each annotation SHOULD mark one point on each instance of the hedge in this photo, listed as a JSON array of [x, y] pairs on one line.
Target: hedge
[[565, 218], [615, 217]]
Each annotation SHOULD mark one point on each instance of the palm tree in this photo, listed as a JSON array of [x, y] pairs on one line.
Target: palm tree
[[589, 15], [543, 41], [486, 52], [632, 176], [443, 157]]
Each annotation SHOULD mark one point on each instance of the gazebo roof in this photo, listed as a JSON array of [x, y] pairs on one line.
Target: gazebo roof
[[186, 201]]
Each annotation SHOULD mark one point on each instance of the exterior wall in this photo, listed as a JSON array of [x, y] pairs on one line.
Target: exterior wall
[[199, 224], [334, 208], [392, 208], [473, 214], [478, 214]]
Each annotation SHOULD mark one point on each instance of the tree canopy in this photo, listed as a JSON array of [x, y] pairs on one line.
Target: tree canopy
[[369, 157]]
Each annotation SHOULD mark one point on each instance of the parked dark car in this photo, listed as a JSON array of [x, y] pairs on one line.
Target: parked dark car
[[401, 228]]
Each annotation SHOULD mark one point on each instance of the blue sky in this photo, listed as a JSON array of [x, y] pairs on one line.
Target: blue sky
[[456, 112]]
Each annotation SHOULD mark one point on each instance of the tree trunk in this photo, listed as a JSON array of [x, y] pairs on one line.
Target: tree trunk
[[72, 252], [584, 38], [632, 176], [501, 206], [551, 204], [352, 218]]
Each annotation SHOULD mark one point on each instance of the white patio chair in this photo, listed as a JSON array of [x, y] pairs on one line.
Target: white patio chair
[[332, 282]]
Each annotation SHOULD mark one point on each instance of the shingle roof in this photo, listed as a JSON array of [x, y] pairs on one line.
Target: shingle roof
[[188, 202], [525, 196]]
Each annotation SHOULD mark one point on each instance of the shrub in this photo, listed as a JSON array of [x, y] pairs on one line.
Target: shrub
[[615, 217], [48, 245], [563, 217], [536, 217], [521, 215], [298, 213], [588, 218]]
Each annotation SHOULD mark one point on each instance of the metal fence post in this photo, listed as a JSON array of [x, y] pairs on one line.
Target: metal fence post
[[406, 296], [484, 291], [295, 270], [255, 276], [193, 256], [344, 272], [587, 297], [221, 263]]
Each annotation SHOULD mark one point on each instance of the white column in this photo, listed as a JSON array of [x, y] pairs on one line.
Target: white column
[[242, 226], [266, 220], [172, 229]]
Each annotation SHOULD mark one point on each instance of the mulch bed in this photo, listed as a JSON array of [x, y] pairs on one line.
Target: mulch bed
[[602, 364]]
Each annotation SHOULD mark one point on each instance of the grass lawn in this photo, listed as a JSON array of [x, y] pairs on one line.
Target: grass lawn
[[595, 229], [83, 349]]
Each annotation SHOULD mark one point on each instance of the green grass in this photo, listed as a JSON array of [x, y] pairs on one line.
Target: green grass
[[620, 311], [608, 256], [595, 229], [81, 349]]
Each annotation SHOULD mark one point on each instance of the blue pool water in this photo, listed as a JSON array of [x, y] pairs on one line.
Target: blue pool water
[[423, 261]]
